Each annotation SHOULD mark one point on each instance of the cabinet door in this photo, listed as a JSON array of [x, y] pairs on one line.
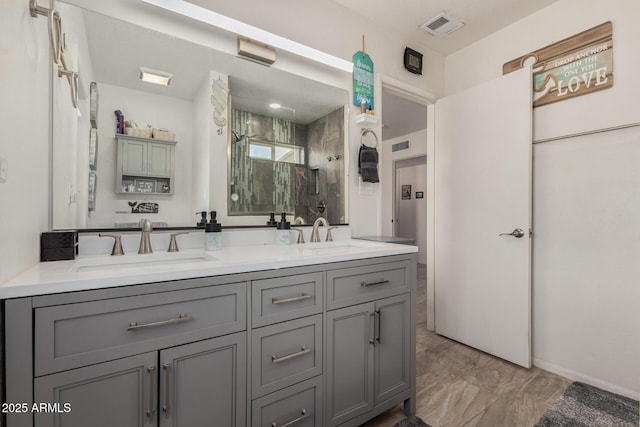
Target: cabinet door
[[392, 369], [159, 160], [204, 383], [134, 157], [350, 338], [120, 393]]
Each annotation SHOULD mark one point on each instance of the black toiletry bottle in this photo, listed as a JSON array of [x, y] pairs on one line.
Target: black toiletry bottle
[[283, 230], [272, 220], [203, 219]]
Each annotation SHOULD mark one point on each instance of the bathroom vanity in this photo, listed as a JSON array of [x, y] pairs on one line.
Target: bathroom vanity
[[302, 335]]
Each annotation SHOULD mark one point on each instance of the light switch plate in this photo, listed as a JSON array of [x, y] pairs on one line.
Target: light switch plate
[[3, 170]]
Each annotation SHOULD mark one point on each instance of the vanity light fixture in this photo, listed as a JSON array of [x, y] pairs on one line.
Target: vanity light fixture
[[210, 17], [154, 76]]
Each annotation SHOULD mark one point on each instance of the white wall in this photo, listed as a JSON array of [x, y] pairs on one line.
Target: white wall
[[160, 112], [585, 248], [24, 119]]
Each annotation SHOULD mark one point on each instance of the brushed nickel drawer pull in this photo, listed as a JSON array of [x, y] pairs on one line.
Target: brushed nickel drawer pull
[[304, 416], [292, 299], [379, 282], [181, 318], [152, 388], [302, 352], [167, 389], [372, 328]]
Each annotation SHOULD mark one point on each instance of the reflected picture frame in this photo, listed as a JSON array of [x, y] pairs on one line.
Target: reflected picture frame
[[406, 192]]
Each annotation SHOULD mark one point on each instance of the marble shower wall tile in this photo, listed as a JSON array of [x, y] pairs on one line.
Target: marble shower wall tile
[[288, 187]]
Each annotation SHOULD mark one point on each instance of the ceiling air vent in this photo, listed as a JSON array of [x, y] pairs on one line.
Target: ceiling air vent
[[441, 25]]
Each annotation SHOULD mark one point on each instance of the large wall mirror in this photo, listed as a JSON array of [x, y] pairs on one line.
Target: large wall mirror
[[234, 152]]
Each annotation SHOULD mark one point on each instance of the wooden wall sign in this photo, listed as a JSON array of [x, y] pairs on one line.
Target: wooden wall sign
[[571, 67], [363, 80]]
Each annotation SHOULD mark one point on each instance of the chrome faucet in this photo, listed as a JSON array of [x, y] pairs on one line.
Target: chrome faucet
[[315, 237], [145, 242]]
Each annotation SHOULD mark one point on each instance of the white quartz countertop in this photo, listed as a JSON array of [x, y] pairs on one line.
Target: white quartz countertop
[[104, 271]]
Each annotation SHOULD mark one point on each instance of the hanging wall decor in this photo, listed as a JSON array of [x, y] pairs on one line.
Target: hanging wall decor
[[363, 80], [406, 192], [219, 101], [575, 66]]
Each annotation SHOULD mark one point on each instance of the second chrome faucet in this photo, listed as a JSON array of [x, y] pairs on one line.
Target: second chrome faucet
[[315, 235], [145, 241]]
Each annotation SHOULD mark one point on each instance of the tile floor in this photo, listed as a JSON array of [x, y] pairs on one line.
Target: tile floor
[[458, 386]]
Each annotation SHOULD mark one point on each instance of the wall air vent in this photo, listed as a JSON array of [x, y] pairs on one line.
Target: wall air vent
[[404, 145], [441, 25]]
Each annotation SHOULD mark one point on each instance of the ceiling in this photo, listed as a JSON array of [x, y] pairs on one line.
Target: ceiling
[[481, 18], [190, 62]]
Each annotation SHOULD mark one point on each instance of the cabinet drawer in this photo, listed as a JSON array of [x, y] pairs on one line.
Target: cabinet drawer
[[299, 405], [285, 354], [284, 298], [355, 285], [73, 335]]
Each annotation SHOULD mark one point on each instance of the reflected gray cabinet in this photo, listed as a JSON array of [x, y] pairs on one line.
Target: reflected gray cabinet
[[144, 160]]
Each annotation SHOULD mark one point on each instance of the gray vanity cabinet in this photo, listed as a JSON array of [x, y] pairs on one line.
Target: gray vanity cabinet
[[369, 340], [368, 362], [392, 358], [202, 384], [198, 383], [350, 338], [322, 345], [118, 393]]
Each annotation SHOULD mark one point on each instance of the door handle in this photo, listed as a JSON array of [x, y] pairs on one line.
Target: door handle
[[517, 233]]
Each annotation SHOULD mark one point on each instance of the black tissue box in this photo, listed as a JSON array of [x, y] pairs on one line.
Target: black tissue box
[[58, 245]]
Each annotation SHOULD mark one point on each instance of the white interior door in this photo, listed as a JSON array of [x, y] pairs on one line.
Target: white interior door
[[482, 171]]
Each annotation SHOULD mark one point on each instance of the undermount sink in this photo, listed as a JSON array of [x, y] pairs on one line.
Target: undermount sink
[[333, 248], [140, 260]]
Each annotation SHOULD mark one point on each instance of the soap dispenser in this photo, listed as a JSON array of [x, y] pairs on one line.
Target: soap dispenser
[[283, 230], [272, 220], [203, 219], [212, 235]]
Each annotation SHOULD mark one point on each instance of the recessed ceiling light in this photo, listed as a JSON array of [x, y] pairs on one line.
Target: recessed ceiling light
[[154, 76], [275, 106]]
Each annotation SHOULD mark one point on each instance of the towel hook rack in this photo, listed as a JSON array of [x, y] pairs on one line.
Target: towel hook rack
[[72, 77], [366, 131], [56, 39], [55, 27]]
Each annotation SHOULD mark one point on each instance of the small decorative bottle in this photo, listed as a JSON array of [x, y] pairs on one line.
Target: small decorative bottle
[[283, 230], [212, 234]]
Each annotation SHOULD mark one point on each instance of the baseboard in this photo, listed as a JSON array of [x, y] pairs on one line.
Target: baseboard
[[578, 376]]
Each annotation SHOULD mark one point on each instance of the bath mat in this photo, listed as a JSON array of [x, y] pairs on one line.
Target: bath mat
[[412, 421], [584, 405]]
